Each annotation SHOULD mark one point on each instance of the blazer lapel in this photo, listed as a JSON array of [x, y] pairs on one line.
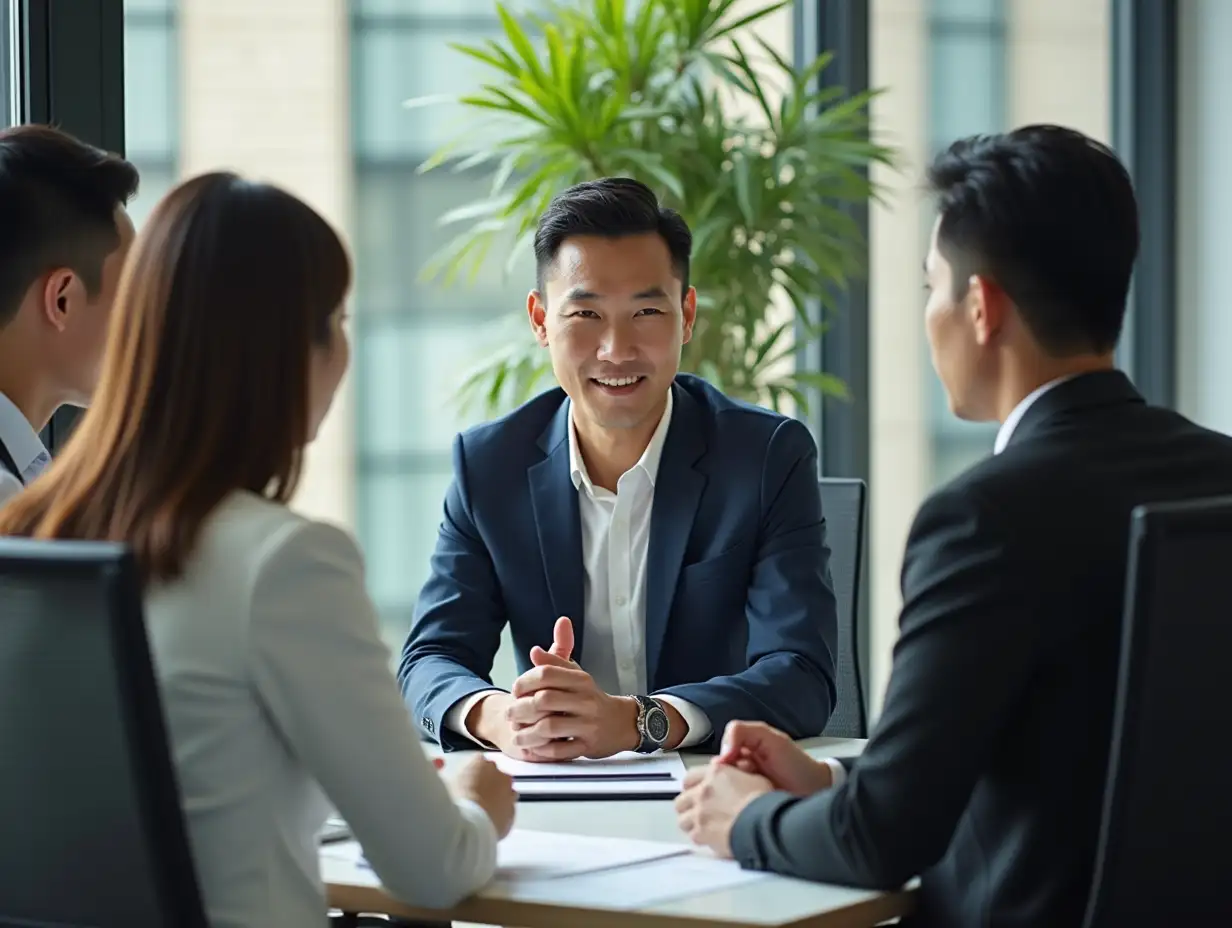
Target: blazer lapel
[[678, 490], [558, 524]]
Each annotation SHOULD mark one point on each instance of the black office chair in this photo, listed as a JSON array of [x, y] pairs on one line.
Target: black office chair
[[843, 505], [94, 835], [1163, 854]]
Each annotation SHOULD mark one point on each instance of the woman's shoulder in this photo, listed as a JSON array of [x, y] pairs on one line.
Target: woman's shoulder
[[266, 531]]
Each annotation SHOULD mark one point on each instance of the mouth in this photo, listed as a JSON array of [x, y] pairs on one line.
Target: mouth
[[618, 386]]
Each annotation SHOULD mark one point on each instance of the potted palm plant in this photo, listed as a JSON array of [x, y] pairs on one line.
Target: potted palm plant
[[683, 96]]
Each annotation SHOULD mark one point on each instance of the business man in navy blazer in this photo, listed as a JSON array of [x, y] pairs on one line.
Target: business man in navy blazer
[[657, 549]]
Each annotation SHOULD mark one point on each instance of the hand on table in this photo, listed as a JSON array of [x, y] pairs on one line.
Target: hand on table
[[555, 711], [712, 798], [755, 747]]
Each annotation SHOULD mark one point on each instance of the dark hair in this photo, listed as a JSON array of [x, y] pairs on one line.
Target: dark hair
[[1049, 215], [612, 207], [205, 380], [58, 197]]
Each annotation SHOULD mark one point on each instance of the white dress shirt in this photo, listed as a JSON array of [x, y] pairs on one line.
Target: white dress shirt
[[837, 770], [24, 446], [615, 546], [280, 708]]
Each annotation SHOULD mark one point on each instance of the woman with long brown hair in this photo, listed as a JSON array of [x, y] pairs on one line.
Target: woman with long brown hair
[[226, 347]]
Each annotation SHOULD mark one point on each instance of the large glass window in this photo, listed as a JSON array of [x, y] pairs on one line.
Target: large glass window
[[415, 338], [310, 96], [949, 68], [151, 98]]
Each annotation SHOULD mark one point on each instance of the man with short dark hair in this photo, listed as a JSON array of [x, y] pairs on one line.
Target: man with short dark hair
[[657, 549], [985, 773], [62, 243]]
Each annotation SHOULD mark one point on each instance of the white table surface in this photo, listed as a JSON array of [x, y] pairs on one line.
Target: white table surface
[[773, 901]]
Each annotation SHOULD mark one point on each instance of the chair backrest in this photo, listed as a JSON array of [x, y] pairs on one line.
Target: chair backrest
[[843, 505], [1162, 857], [94, 833]]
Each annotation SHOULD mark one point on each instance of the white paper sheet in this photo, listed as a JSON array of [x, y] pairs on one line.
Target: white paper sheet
[[626, 764], [537, 855], [540, 855], [637, 886]]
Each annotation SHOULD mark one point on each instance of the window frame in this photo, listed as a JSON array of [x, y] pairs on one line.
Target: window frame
[[1145, 127], [842, 426], [72, 75]]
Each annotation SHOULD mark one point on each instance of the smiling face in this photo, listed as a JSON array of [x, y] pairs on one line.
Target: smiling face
[[614, 317]]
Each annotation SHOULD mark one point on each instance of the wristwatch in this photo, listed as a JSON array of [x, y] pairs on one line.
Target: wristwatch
[[652, 725]]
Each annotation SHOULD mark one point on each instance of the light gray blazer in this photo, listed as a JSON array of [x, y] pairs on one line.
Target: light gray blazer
[[280, 704]]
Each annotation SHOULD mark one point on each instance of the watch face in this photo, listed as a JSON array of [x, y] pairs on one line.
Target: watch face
[[656, 725]]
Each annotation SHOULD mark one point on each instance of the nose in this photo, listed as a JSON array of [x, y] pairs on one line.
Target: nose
[[618, 344]]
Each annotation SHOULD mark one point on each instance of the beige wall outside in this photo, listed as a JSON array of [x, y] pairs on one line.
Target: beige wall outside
[[899, 470], [265, 92]]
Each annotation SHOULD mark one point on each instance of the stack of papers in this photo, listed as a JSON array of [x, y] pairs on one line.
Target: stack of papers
[[621, 776]]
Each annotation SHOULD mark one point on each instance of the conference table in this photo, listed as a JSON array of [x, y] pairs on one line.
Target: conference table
[[770, 901]]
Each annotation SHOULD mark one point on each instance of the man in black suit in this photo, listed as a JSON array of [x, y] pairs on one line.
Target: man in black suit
[[63, 239], [985, 773]]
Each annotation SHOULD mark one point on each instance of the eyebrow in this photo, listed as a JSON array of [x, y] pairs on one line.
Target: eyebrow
[[578, 294]]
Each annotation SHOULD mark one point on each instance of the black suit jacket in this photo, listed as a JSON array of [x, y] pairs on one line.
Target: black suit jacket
[[985, 773]]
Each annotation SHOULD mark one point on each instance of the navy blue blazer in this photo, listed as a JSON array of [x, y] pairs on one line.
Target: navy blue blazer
[[740, 610]]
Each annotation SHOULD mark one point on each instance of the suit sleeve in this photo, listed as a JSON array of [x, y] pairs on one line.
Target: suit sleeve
[[962, 661], [458, 620], [791, 609], [322, 671]]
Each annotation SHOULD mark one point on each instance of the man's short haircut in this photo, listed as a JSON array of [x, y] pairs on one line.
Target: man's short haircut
[[58, 197], [1049, 216], [612, 207]]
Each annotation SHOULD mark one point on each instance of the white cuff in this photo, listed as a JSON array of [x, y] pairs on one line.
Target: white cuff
[[455, 718], [838, 773], [697, 721], [473, 812]]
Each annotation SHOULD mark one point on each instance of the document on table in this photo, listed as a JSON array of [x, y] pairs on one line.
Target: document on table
[[635, 886], [539, 855], [623, 776]]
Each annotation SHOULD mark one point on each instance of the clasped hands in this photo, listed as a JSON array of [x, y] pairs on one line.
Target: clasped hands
[[755, 759], [555, 712]]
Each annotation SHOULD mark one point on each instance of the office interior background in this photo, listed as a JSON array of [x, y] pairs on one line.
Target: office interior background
[[309, 94]]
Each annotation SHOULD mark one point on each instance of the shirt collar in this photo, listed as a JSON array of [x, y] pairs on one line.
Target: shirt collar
[[1011, 421], [648, 462], [18, 435]]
